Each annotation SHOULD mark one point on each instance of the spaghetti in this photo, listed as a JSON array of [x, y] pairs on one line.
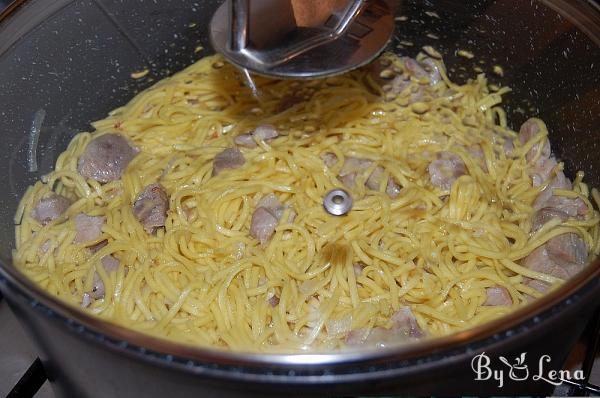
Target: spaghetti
[[444, 205]]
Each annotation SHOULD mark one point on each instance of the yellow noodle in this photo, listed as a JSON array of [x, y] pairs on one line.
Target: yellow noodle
[[204, 280]]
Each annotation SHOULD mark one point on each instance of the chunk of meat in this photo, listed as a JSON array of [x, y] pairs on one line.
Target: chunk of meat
[[562, 257], [274, 301], [538, 285], [426, 69], [544, 215], [230, 158], [432, 69], [393, 81], [110, 265], [497, 295], [404, 327], [397, 85], [86, 300], [558, 182], [50, 208], [88, 228], [373, 182], [266, 133], [266, 217], [567, 249], [353, 167], [263, 224], [573, 207], [330, 159], [358, 268], [406, 323], [477, 152], [508, 147], [445, 170], [540, 261], [541, 171], [105, 158], [527, 132], [150, 207]]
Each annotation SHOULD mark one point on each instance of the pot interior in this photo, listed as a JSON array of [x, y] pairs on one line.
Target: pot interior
[[71, 61]]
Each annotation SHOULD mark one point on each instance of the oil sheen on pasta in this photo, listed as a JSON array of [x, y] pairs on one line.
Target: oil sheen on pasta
[[418, 262]]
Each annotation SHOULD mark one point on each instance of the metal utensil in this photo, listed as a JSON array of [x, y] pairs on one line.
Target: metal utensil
[[301, 38]]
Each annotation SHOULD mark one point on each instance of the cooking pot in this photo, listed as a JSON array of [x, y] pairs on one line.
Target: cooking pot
[[70, 62]]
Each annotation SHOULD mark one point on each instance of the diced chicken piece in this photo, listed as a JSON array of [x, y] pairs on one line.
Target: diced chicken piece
[[266, 217], [426, 69], [354, 165], [508, 146], [445, 170], [397, 85], [150, 207], [406, 323], [528, 131], [374, 180], [573, 207], [544, 215], [105, 158], [540, 261], [351, 169], [562, 257], [497, 295], [245, 140], [86, 300], [538, 285], [477, 152], [263, 224], [110, 265], [542, 171], [358, 268], [50, 208], [390, 78], [329, 159], [432, 69], [265, 133], [567, 249], [274, 301], [230, 158], [404, 328], [88, 228]]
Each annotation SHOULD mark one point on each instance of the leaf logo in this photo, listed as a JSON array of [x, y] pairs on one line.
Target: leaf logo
[[519, 371]]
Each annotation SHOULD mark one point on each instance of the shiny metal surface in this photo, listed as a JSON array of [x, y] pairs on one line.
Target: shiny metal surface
[[303, 39], [337, 202]]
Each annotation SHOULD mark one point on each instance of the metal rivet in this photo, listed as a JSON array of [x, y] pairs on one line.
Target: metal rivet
[[337, 202]]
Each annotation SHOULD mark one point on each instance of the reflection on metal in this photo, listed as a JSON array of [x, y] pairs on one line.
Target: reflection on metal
[[338, 202], [301, 39]]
